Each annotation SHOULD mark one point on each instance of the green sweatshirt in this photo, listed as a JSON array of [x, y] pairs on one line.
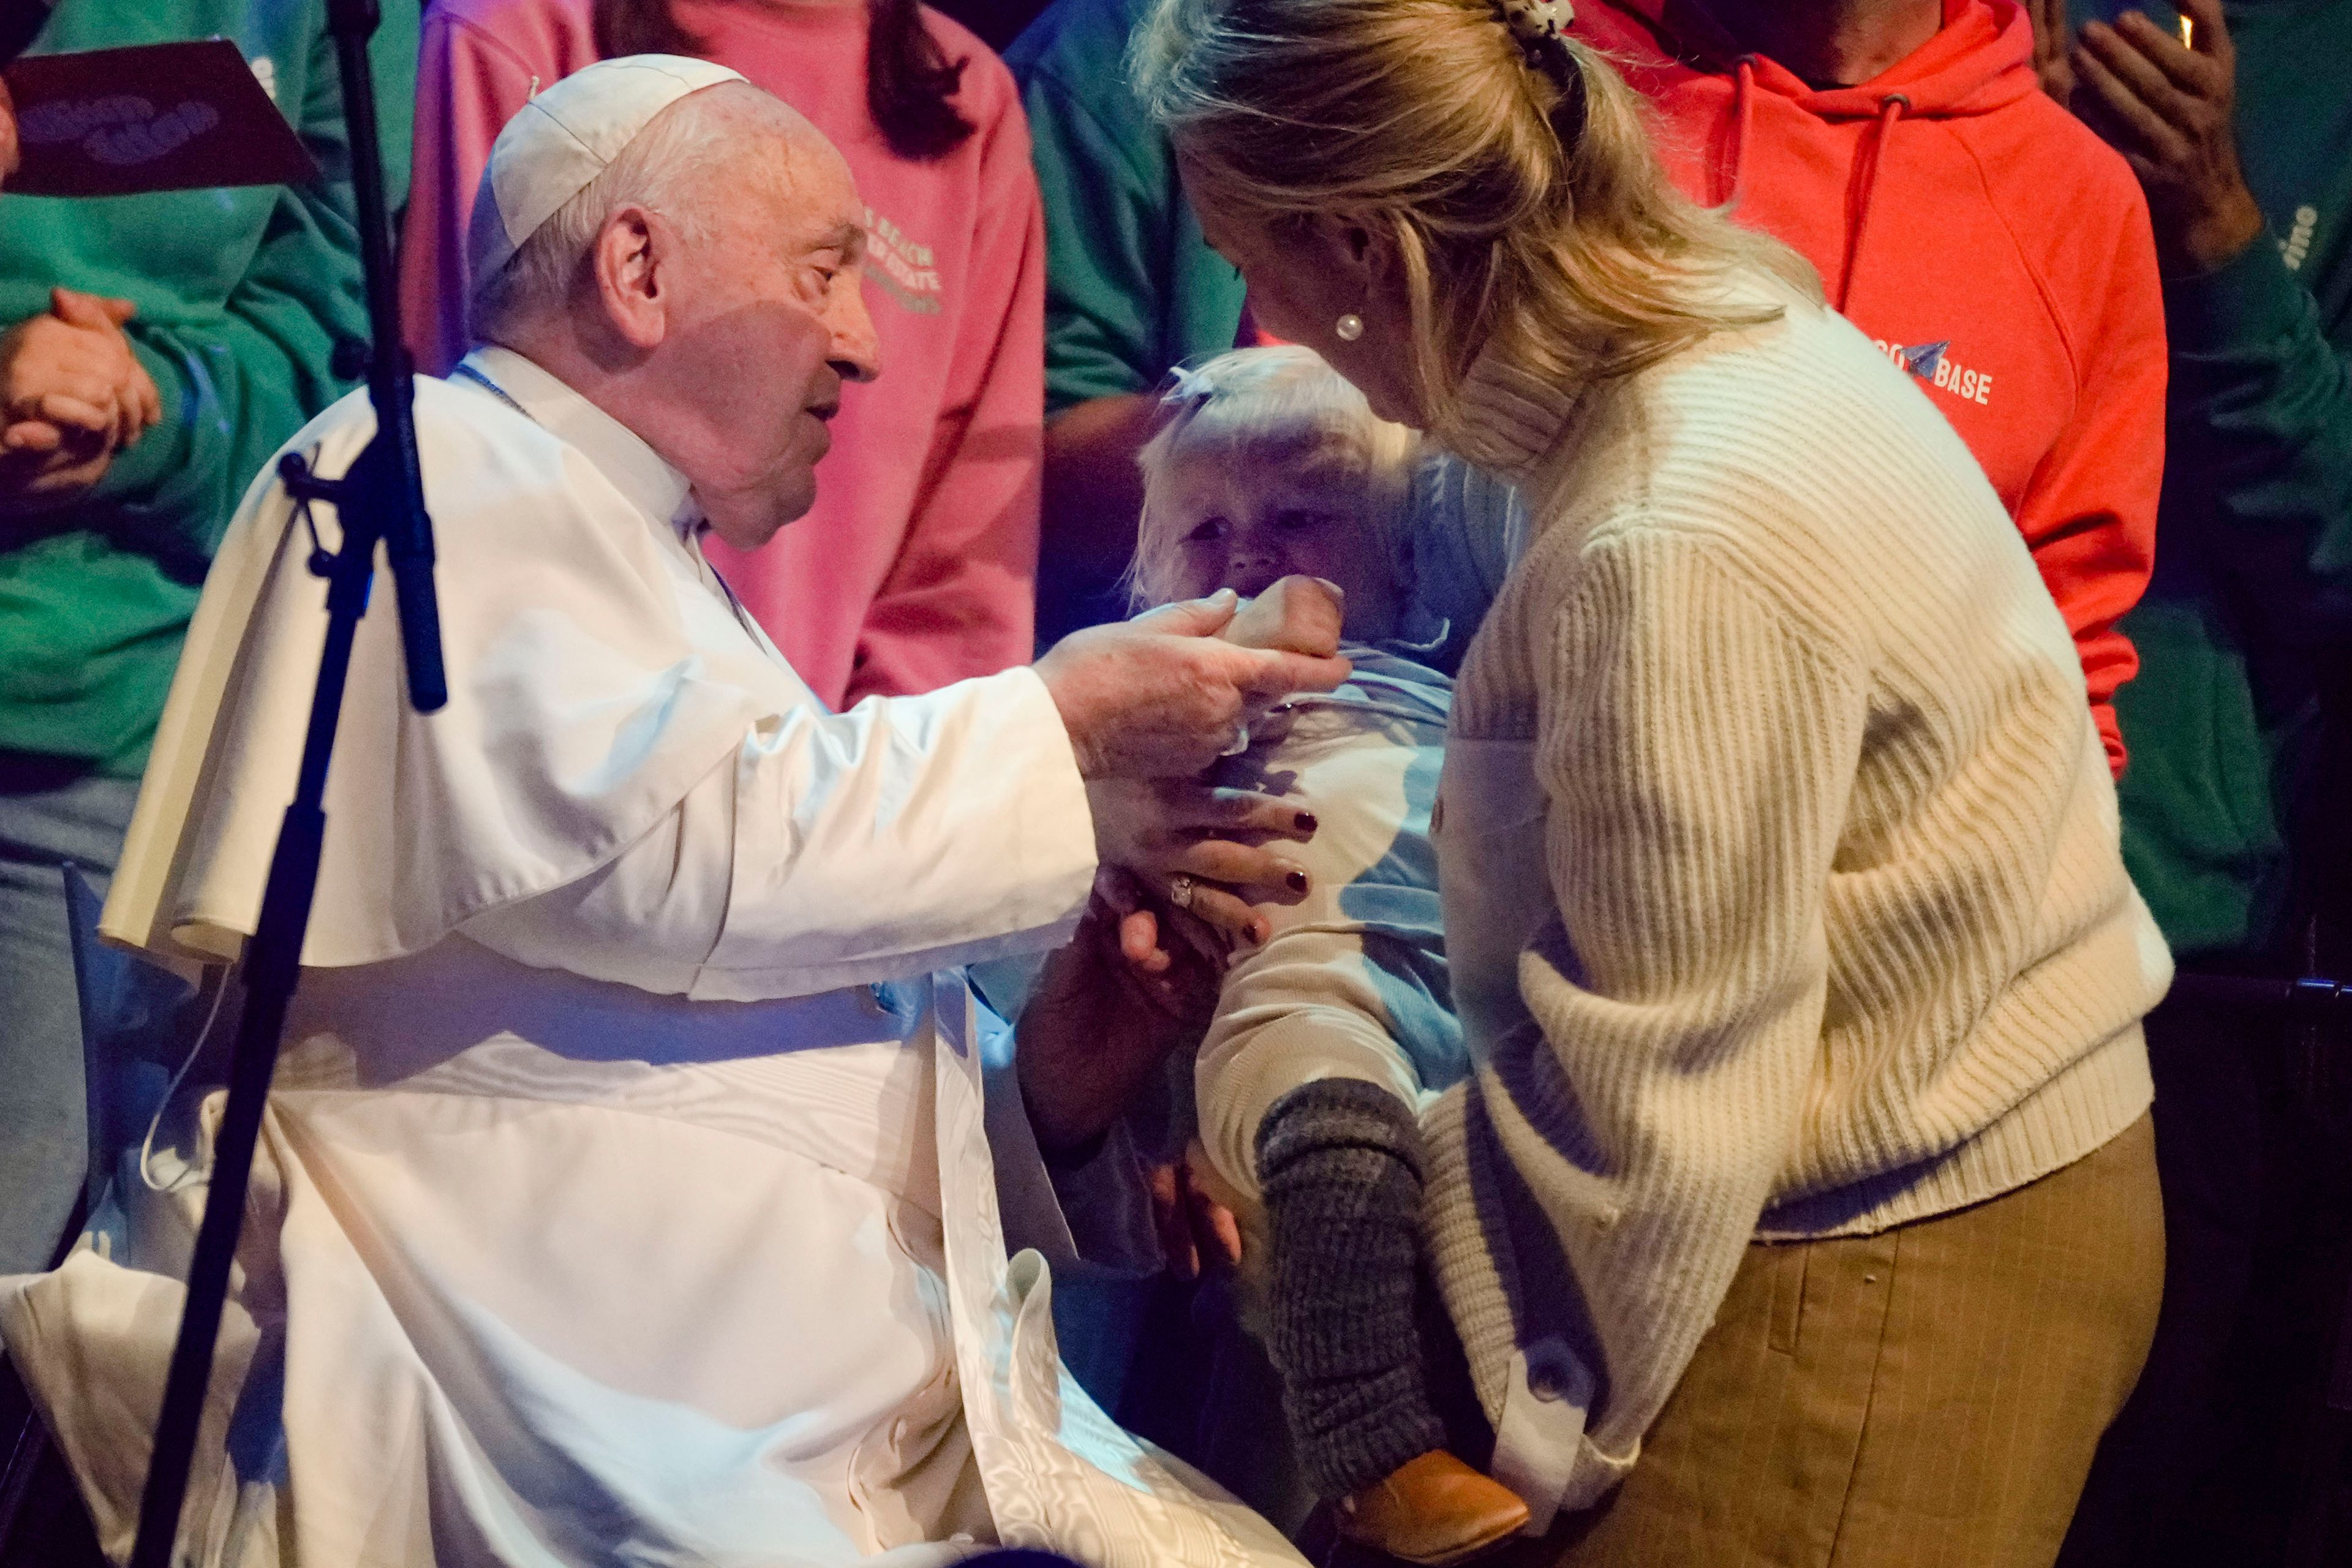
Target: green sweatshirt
[[242, 295], [2255, 525], [1130, 285]]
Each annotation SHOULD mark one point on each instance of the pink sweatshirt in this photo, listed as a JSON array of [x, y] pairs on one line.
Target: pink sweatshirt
[[917, 565]]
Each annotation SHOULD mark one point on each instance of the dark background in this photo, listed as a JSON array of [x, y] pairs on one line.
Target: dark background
[[996, 21]]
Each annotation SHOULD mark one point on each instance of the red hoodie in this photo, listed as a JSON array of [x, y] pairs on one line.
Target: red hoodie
[[1989, 242]]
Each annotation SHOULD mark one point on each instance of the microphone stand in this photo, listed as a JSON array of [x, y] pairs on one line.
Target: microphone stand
[[380, 500]]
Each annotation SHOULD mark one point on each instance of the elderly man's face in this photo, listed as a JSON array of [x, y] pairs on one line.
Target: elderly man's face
[[769, 322]]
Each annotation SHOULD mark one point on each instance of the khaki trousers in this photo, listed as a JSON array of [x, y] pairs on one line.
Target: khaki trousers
[[1928, 1397]]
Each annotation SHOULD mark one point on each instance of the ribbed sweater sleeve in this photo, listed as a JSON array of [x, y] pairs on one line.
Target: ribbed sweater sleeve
[[1696, 748]]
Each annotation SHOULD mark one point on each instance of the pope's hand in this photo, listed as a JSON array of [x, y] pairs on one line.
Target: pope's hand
[[1214, 843], [1162, 695], [1107, 1012]]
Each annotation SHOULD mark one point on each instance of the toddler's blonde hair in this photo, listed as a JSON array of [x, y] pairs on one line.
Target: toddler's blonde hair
[[1277, 405]]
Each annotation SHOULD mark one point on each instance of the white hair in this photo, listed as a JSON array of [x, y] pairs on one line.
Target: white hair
[[1255, 404], [660, 170]]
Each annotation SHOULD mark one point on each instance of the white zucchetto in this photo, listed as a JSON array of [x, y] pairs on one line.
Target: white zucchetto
[[563, 138]]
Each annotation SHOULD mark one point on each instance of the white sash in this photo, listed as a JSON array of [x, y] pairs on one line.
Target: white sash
[[1061, 1475]]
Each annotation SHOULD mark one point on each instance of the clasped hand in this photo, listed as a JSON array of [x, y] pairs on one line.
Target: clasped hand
[[1152, 702], [72, 395]]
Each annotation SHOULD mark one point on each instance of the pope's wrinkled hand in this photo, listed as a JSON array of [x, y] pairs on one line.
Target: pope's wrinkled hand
[[1131, 987], [1161, 695]]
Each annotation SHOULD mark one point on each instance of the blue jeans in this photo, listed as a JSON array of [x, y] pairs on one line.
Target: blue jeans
[[42, 825]]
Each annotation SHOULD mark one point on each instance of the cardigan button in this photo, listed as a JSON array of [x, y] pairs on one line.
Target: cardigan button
[[1549, 1371]]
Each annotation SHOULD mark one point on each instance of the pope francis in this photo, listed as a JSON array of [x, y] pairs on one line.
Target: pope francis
[[626, 1196]]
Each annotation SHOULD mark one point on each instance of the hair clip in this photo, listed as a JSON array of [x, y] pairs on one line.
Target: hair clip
[[1540, 27], [1186, 389]]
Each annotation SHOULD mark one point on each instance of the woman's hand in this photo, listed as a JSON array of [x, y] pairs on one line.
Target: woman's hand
[[1202, 848], [1134, 984]]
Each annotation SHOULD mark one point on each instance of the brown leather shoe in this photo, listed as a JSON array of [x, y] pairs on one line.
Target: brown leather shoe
[[1434, 1511]]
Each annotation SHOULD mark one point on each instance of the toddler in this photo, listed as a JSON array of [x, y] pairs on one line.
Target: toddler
[[1331, 1034]]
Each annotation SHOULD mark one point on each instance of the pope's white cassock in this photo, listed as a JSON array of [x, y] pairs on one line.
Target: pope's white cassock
[[625, 1196]]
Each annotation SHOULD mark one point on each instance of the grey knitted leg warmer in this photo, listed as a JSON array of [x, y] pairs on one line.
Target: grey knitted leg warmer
[[1339, 1161]]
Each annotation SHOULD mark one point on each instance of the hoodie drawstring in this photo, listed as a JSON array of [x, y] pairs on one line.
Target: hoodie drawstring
[[1890, 110], [1743, 115]]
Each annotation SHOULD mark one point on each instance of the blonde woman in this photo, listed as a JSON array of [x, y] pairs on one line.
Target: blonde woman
[[1803, 1206]]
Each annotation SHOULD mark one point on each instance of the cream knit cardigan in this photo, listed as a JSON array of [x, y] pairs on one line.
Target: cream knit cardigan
[[1781, 869]]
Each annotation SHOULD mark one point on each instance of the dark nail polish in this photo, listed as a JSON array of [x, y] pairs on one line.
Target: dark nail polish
[[1307, 823], [1298, 881]]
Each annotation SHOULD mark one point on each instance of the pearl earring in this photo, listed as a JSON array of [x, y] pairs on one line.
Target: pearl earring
[[1351, 327]]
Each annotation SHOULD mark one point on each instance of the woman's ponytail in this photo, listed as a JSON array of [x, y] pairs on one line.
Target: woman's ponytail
[[1503, 159]]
